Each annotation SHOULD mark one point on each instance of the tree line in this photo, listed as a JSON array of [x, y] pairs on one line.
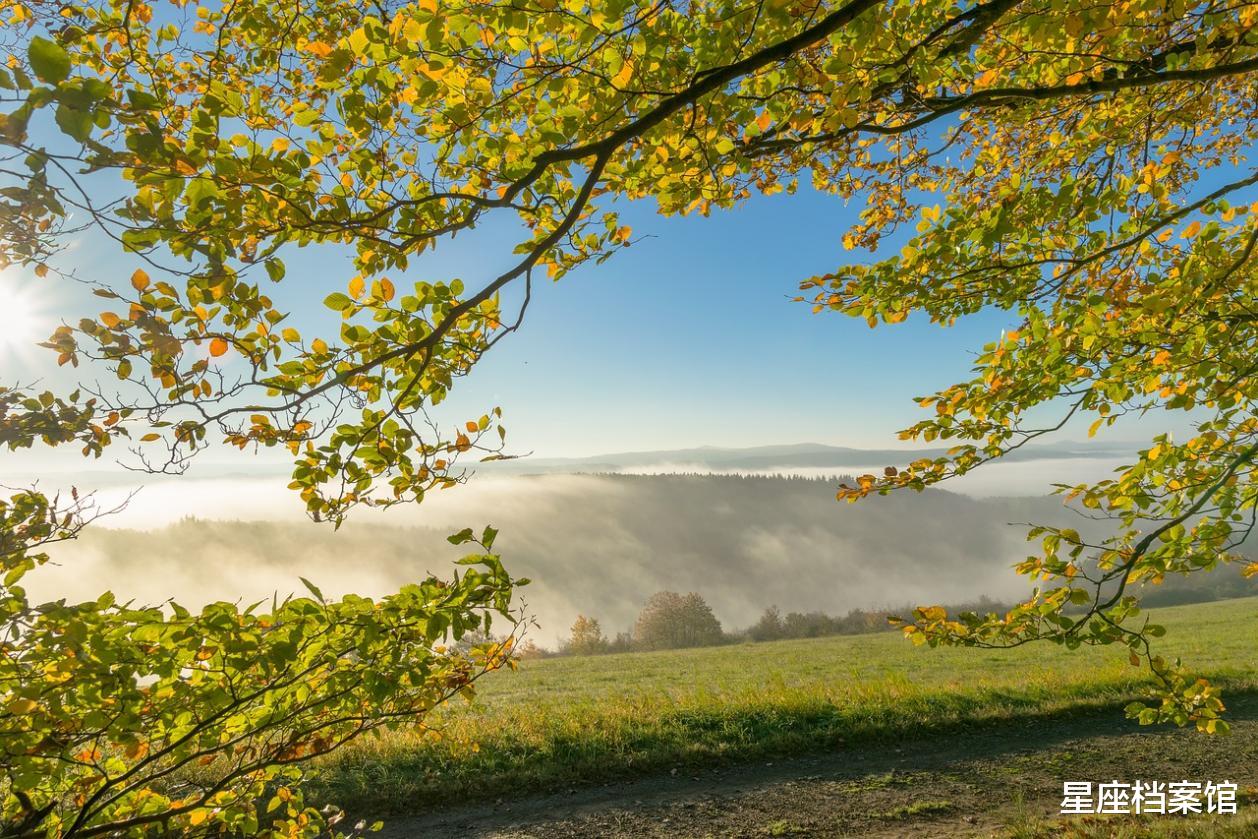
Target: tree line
[[670, 621]]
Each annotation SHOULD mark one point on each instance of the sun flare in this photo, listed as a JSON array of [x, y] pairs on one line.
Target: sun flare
[[18, 320]]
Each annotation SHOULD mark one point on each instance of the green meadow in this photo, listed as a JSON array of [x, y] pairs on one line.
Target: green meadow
[[562, 721]]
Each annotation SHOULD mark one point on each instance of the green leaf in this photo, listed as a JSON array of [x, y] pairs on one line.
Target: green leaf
[[337, 302], [49, 61], [464, 535], [74, 122], [313, 589], [142, 100]]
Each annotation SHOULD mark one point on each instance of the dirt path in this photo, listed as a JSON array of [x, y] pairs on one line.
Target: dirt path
[[976, 784]]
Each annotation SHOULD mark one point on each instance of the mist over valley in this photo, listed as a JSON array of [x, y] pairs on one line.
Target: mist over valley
[[592, 544]]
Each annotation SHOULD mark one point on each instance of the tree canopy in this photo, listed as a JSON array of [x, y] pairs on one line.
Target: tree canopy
[[586, 637], [1084, 166], [670, 621], [1043, 151]]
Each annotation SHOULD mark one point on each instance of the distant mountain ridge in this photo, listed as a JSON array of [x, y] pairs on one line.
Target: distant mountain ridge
[[782, 457]]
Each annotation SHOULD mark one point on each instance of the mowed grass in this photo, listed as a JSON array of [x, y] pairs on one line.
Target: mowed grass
[[558, 722]]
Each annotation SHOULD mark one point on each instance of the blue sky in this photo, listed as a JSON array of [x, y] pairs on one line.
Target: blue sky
[[687, 338], [690, 337]]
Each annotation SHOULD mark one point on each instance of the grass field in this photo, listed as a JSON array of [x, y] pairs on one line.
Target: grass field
[[558, 722]]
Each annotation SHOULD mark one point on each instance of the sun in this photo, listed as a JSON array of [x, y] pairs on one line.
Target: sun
[[19, 320]]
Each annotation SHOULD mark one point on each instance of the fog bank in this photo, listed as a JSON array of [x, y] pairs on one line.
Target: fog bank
[[598, 545]]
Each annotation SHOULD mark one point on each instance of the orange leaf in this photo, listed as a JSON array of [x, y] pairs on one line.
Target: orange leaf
[[626, 73], [218, 347], [139, 280]]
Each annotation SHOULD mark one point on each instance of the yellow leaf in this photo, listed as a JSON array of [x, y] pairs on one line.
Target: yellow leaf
[[626, 73], [386, 288], [356, 286], [319, 346], [319, 49], [139, 280], [22, 706], [358, 41], [933, 613], [280, 144], [110, 319]]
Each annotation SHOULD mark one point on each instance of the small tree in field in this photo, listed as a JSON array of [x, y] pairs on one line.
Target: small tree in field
[[769, 627], [586, 637], [622, 643], [670, 621]]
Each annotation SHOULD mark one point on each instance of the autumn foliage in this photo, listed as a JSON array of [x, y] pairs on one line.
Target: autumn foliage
[[1083, 167]]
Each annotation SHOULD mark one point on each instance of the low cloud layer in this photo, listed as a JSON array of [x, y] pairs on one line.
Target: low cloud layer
[[598, 545]]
